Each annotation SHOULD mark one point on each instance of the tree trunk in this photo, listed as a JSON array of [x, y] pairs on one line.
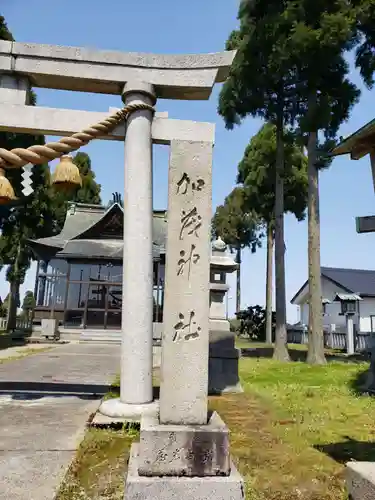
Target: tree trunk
[[269, 284], [280, 351], [14, 293], [315, 354], [238, 288], [12, 307]]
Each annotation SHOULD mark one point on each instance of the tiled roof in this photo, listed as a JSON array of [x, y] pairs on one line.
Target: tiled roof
[[76, 222], [346, 296], [358, 281], [81, 218], [361, 281], [98, 249]]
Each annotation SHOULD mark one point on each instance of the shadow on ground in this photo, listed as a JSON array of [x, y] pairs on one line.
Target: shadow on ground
[[359, 384], [37, 390], [301, 355], [114, 391], [348, 450]]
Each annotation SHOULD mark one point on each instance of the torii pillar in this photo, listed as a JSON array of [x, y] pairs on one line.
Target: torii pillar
[[136, 390]]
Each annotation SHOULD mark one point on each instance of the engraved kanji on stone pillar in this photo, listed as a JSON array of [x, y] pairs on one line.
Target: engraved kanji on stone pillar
[[184, 370]]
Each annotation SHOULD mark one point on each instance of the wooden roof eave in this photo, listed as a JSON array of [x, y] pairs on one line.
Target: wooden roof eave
[[358, 144], [42, 251]]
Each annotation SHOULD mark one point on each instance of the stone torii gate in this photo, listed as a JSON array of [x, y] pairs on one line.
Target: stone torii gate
[[183, 451]]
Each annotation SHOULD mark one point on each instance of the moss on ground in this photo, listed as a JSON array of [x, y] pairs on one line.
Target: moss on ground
[[99, 467], [23, 354]]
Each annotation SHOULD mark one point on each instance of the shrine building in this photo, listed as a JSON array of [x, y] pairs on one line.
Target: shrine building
[[79, 271]]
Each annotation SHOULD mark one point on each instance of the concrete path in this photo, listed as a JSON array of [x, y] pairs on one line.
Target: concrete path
[[45, 401]]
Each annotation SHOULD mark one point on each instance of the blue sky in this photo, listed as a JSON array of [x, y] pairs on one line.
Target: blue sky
[[170, 26]]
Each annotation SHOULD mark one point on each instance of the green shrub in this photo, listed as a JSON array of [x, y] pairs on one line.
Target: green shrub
[[252, 323]]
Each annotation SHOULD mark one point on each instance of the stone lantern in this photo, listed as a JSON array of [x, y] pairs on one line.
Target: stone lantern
[[223, 360]]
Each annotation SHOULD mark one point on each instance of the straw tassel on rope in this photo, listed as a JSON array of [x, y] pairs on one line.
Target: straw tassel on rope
[[66, 175], [6, 189]]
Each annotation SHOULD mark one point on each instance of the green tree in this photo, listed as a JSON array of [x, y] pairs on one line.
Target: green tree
[[365, 53], [256, 172], [5, 34], [4, 307], [30, 217], [291, 70], [39, 215], [322, 33], [90, 190], [238, 227], [88, 193], [28, 304], [260, 83]]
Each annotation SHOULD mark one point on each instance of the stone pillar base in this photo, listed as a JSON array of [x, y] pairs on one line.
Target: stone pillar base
[[360, 480], [182, 462], [184, 488], [369, 385], [223, 370], [116, 409], [183, 450]]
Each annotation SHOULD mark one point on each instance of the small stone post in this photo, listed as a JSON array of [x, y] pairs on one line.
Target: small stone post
[[349, 334], [137, 300], [332, 331]]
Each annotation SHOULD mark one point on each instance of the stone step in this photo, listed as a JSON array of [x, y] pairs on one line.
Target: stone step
[[109, 333], [101, 336], [100, 341], [44, 340]]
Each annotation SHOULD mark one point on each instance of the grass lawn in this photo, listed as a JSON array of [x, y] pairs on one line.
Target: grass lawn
[[292, 430], [243, 343], [23, 353]]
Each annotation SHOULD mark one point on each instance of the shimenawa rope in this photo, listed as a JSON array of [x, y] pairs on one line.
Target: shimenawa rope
[[18, 157]]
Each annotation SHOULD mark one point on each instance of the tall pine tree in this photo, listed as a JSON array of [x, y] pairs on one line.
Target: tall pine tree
[[322, 33], [260, 83], [257, 173]]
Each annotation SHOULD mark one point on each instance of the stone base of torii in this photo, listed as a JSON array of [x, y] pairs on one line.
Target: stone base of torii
[[184, 450]]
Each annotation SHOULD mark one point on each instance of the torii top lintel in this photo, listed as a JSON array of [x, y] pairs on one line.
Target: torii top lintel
[[188, 77]]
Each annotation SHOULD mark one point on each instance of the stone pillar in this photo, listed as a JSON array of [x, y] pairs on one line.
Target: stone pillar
[[183, 400], [136, 392], [183, 451]]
